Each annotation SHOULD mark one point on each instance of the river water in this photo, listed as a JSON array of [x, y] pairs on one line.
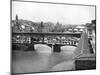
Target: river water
[[31, 61]]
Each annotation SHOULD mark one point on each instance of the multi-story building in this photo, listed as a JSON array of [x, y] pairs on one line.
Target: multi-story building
[[19, 25], [91, 31]]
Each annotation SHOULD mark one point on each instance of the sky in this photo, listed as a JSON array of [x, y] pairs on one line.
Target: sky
[[65, 14]]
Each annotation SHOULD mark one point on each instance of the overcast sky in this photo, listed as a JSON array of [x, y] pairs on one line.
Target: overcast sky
[[65, 14]]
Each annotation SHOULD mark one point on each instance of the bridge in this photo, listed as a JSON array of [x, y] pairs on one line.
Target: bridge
[[34, 39]]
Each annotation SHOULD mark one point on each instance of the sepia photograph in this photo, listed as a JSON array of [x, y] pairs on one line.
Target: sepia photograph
[[52, 37]]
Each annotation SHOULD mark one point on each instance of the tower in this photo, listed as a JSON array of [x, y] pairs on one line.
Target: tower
[[16, 18]]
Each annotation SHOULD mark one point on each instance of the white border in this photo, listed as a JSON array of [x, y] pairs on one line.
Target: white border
[[5, 37]]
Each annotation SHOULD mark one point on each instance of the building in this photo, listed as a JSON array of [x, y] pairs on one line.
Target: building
[[91, 31], [20, 25]]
